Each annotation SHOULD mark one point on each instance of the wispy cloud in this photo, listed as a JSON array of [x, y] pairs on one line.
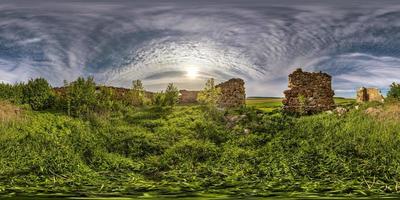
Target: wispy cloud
[[259, 41]]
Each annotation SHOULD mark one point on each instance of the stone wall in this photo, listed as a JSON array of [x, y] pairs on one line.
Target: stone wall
[[369, 94], [187, 96], [232, 93], [309, 92]]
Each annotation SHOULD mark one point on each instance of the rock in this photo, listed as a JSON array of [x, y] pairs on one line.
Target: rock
[[368, 95], [308, 92], [340, 111]]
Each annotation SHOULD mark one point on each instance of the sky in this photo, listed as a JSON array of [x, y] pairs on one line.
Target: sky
[[187, 42]]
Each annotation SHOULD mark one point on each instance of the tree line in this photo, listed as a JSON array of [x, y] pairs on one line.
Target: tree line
[[83, 96]]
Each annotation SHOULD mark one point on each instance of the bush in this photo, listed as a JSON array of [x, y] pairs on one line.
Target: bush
[[171, 95], [394, 92], [136, 95], [81, 97], [210, 94], [13, 93], [38, 94]]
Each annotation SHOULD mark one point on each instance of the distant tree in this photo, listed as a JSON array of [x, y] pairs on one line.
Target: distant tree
[[210, 94], [171, 95], [38, 94], [394, 92], [136, 95], [81, 96]]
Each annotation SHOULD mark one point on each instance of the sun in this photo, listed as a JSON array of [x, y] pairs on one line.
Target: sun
[[192, 72]]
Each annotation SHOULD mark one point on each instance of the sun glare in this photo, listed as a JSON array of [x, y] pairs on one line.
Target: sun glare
[[192, 72]]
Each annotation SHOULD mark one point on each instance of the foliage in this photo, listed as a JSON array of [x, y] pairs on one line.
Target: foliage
[[171, 95], [159, 99], [81, 97], [394, 91], [38, 94], [137, 94], [12, 92], [210, 94]]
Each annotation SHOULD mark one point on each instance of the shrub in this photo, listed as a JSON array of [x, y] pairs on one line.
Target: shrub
[[105, 100], [12, 93], [81, 96], [394, 91], [136, 95], [38, 94], [159, 99], [171, 95], [210, 94]]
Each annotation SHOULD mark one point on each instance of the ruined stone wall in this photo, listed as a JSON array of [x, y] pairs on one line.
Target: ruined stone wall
[[369, 94], [309, 92], [187, 96], [232, 93]]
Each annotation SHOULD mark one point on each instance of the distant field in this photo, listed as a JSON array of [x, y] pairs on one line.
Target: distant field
[[269, 104]]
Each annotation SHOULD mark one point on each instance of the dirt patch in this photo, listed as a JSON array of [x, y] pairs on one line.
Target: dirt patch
[[9, 112], [386, 113]]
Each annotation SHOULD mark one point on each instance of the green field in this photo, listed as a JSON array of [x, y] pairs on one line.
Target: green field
[[269, 104]]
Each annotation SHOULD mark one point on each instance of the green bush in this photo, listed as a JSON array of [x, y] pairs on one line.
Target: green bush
[[171, 95], [81, 97], [38, 94], [13, 93], [136, 95], [394, 92]]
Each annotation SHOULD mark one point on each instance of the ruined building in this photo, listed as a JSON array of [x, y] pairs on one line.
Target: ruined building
[[308, 92], [186, 96], [232, 93], [369, 94]]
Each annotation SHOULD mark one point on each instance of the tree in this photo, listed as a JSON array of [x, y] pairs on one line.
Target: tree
[[13, 93], [159, 99], [394, 91], [105, 99], [171, 95], [210, 94], [81, 96], [137, 94], [38, 94]]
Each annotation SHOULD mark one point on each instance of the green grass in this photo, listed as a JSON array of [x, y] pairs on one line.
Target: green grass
[[269, 104], [183, 150]]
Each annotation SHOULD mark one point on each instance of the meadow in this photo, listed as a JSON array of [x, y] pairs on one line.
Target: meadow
[[187, 151]]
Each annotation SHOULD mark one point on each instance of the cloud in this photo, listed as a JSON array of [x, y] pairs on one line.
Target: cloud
[[259, 41]]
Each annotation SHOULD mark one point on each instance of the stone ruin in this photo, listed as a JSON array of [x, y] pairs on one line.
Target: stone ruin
[[233, 93], [309, 92], [369, 94], [186, 96]]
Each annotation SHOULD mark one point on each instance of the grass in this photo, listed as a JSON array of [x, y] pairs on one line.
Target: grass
[[269, 104], [182, 150]]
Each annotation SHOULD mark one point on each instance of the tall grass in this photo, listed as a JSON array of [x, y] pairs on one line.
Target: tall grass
[[183, 149]]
